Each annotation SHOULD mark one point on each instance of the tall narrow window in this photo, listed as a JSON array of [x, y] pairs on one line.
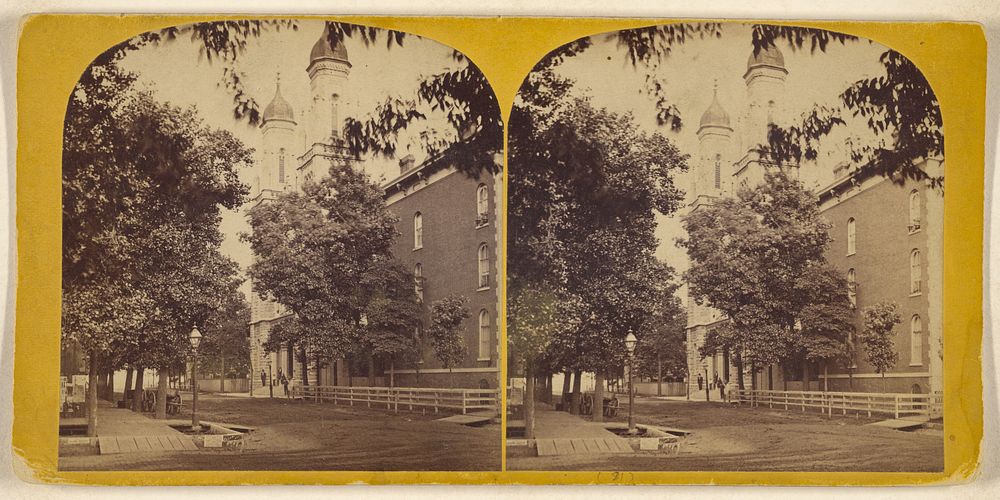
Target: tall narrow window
[[484, 266], [334, 118], [418, 231], [852, 287], [852, 236], [418, 281], [914, 211], [915, 273], [485, 335], [482, 205], [281, 165], [718, 171], [916, 341]]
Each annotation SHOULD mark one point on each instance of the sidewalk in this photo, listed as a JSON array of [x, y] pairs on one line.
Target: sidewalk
[[120, 430], [552, 424]]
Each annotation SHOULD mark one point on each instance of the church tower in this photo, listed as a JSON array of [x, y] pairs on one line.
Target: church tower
[[277, 160], [328, 69], [714, 157], [765, 82]]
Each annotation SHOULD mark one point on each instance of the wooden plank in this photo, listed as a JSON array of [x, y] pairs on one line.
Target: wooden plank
[[164, 443], [187, 444], [127, 444], [563, 446], [175, 442], [108, 445], [142, 443], [545, 447]]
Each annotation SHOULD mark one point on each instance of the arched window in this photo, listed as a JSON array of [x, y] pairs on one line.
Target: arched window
[[852, 287], [281, 165], [916, 341], [485, 335], [334, 118], [852, 236], [482, 205], [418, 281], [418, 231], [484, 266], [718, 171], [915, 273], [914, 211]]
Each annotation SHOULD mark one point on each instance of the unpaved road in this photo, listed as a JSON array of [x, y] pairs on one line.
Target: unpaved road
[[296, 435], [728, 438]]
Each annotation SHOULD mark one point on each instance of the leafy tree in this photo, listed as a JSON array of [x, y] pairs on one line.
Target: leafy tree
[[752, 257], [225, 348], [584, 186], [325, 254], [391, 313], [826, 318], [661, 348], [136, 174], [877, 337], [445, 331]]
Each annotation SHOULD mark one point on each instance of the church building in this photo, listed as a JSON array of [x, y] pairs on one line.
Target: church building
[[449, 222], [887, 242]]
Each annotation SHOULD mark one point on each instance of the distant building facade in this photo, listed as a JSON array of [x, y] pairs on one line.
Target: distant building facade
[[449, 223], [887, 241]]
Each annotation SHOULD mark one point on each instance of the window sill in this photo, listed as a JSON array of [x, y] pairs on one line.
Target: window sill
[[480, 226], [851, 253], [482, 288], [916, 294], [417, 248], [484, 359], [916, 364], [915, 232]]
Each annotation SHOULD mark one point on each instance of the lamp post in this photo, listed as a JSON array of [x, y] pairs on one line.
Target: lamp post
[[195, 339], [270, 379], [630, 342]]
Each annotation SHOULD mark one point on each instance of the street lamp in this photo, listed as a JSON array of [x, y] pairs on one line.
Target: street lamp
[[630, 342], [195, 339]]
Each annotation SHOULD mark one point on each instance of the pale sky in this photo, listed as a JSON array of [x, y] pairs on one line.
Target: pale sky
[[689, 73], [177, 74]]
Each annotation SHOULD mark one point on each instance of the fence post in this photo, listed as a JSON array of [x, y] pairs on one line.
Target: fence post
[[350, 395], [436, 398], [464, 394], [395, 400], [897, 406]]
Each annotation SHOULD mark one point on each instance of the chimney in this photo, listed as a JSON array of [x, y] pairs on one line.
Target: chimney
[[406, 163]]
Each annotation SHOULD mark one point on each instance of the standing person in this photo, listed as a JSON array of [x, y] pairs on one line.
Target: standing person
[[263, 378], [284, 381], [721, 386], [700, 382]]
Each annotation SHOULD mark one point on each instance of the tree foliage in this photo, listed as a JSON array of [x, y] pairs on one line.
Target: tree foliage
[[877, 337], [662, 342], [325, 254], [225, 347], [585, 183], [758, 258], [445, 331]]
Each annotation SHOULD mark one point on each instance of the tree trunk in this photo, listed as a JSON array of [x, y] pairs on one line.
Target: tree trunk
[[770, 377], [392, 372], [161, 393], [826, 378], [319, 368], [753, 377], [529, 400], [784, 378], [92, 394], [739, 371], [659, 374], [567, 379], [806, 378], [371, 371], [222, 369], [128, 385], [597, 411], [850, 378], [111, 386], [574, 408], [305, 367], [137, 393]]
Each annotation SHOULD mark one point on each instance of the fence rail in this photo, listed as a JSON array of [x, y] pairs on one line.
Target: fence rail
[[407, 398], [895, 404]]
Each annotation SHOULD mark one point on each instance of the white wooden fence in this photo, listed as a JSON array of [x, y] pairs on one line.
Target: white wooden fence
[[895, 404], [407, 398]]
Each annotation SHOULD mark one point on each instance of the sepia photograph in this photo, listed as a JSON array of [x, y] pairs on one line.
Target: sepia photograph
[[281, 250], [725, 254]]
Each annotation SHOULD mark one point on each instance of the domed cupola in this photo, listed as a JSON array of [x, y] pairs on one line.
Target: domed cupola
[[323, 50], [769, 57], [278, 109], [715, 115]]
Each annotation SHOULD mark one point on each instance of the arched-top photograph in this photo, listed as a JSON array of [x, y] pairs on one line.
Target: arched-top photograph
[[260, 214], [718, 232]]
